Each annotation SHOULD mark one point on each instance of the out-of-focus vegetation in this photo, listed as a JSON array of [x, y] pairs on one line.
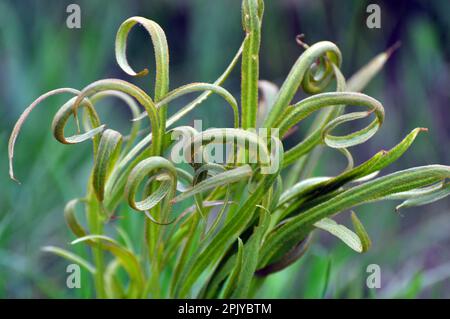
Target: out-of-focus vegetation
[[38, 53]]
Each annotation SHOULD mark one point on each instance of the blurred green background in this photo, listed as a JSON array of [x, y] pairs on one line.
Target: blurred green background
[[39, 53]]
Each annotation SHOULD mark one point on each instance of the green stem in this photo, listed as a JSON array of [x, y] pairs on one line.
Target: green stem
[[96, 227], [252, 15]]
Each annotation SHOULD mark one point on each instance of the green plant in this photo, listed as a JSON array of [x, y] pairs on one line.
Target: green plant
[[218, 229]]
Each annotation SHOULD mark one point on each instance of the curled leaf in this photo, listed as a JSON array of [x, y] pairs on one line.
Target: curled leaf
[[159, 45], [62, 116], [131, 90], [151, 168], [309, 105], [299, 71], [17, 127]]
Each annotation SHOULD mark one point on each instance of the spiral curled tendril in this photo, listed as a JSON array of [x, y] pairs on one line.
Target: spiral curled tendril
[[147, 168], [298, 73]]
